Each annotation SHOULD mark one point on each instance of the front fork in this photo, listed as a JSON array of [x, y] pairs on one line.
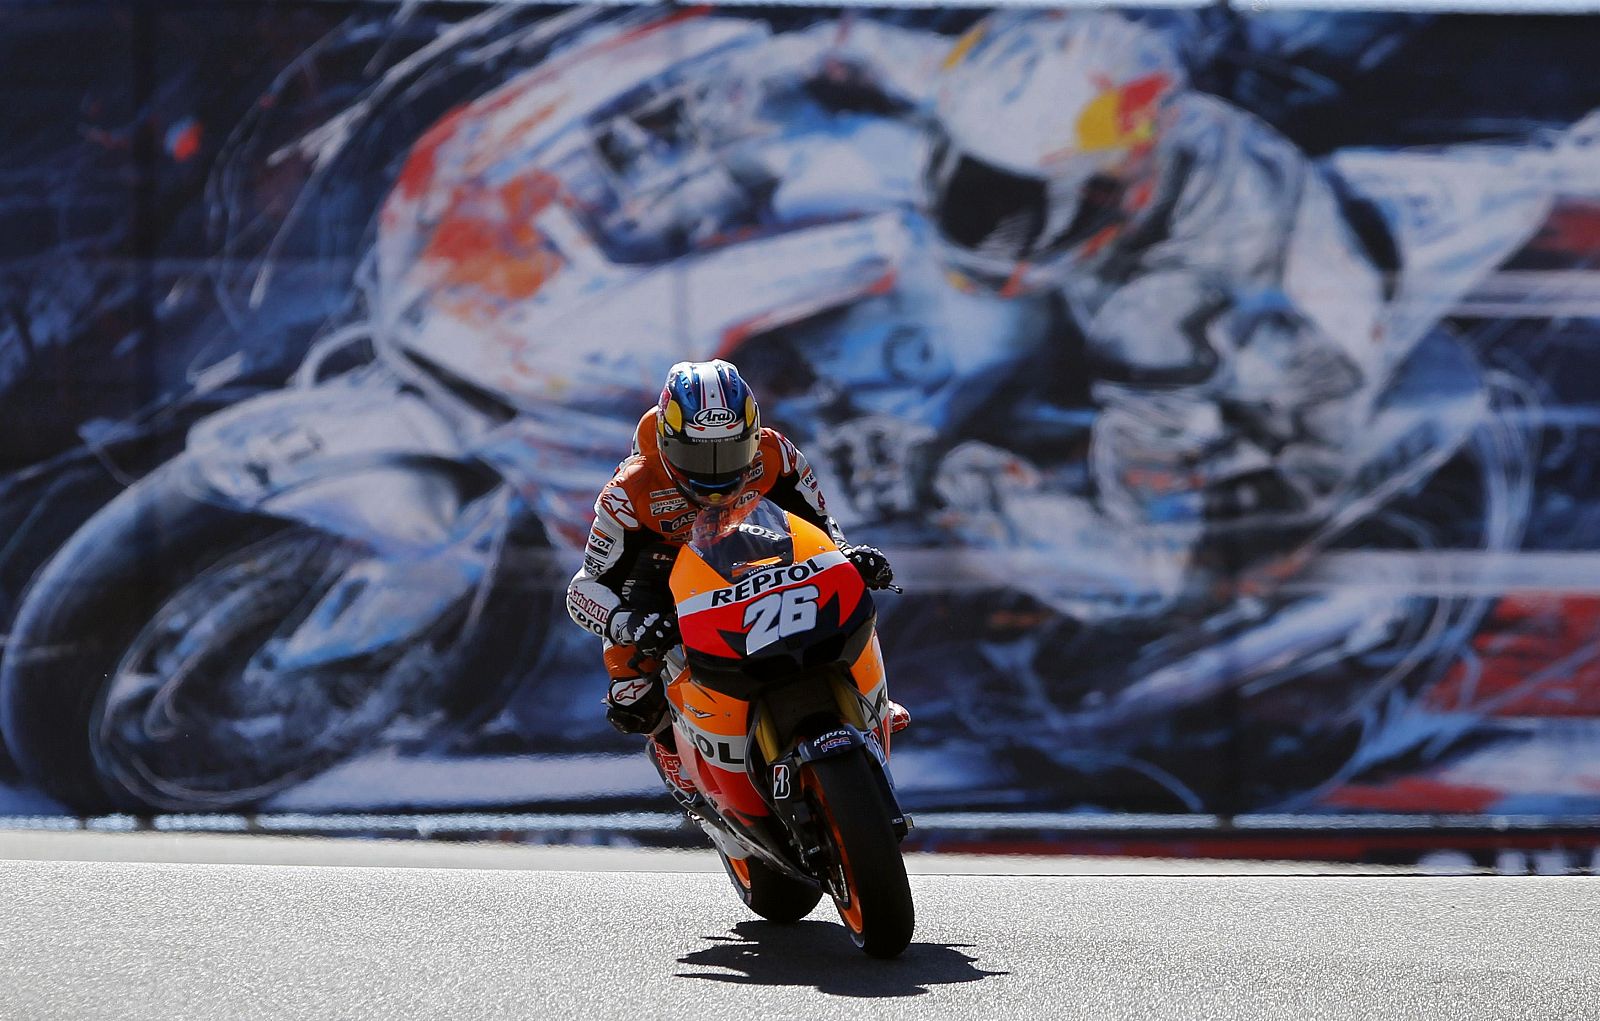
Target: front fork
[[786, 795], [774, 770]]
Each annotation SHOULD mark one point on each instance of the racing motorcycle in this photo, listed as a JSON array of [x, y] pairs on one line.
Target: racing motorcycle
[[778, 704], [342, 562]]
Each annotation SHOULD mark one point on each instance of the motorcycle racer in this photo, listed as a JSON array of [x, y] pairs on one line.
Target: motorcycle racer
[[698, 456]]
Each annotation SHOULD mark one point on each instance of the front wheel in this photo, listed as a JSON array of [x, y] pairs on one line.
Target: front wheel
[[768, 892], [132, 680], [867, 874]]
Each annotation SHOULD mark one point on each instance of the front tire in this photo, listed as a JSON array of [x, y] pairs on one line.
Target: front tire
[[158, 552], [85, 608], [768, 892], [869, 884]]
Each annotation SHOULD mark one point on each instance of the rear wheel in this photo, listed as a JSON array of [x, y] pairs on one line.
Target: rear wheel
[[867, 875], [768, 892]]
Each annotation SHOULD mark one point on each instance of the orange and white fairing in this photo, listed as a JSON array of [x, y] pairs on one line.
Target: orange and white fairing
[[815, 592]]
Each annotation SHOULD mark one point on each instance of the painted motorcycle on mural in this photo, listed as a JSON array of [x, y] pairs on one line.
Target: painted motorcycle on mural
[[779, 710], [365, 555]]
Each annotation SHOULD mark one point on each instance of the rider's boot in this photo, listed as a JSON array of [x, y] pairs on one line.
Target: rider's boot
[[899, 717]]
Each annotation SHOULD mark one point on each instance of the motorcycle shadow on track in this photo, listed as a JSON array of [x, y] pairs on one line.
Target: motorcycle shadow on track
[[811, 953]]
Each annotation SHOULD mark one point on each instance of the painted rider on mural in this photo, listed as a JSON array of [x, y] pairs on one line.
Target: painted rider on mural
[[1232, 315], [1243, 309]]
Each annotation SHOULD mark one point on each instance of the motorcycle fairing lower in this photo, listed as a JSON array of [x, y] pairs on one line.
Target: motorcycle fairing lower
[[747, 720]]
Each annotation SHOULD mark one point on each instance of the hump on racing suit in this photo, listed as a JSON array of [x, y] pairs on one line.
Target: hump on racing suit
[[641, 518]]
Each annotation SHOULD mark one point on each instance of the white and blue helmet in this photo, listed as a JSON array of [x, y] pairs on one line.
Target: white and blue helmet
[[1046, 120], [709, 430]]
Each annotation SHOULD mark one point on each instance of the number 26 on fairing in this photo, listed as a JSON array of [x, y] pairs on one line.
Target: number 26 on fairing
[[780, 615]]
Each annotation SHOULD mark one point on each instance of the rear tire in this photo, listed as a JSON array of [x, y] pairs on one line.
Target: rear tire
[[865, 852], [768, 892]]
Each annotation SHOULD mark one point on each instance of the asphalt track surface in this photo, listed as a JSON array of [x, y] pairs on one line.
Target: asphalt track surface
[[534, 933]]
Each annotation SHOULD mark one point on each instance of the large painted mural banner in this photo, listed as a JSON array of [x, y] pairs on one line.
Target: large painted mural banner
[[1218, 382]]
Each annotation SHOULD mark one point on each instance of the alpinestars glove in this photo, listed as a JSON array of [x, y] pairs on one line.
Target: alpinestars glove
[[872, 564], [653, 634], [636, 705]]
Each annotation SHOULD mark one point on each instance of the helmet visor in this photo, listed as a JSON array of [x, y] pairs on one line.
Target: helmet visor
[[712, 465], [1000, 214]]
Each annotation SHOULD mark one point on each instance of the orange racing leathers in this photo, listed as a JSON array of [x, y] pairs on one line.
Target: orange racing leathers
[[641, 518]]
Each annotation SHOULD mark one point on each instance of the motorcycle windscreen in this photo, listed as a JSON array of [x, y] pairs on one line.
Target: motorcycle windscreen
[[737, 541], [770, 595]]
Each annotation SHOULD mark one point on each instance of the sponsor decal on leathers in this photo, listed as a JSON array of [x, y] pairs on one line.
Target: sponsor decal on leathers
[[614, 501], [591, 613], [680, 522]]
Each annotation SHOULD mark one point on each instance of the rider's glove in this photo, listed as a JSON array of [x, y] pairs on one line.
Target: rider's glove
[[873, 565], [636, 705], [653, 634]]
